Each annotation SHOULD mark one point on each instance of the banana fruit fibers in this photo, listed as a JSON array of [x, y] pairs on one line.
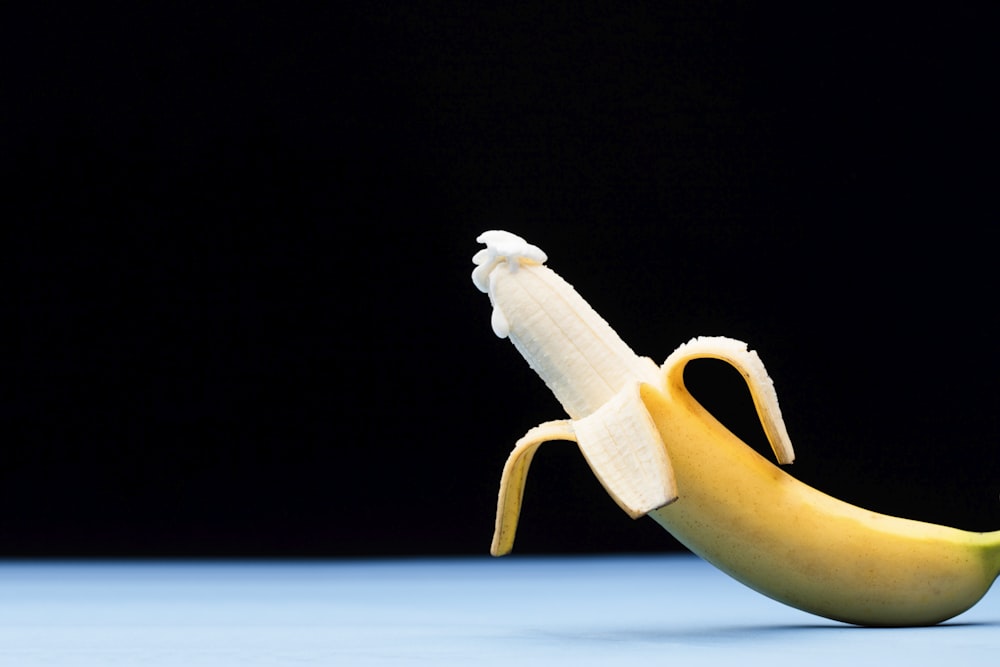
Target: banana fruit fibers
[[659, 453]]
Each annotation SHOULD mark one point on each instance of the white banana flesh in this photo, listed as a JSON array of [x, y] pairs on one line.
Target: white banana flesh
[[657, 451]]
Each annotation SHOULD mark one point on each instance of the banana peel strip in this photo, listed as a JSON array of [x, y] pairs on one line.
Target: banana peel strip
[[515, 474], [749, 365], [624, 449], [621, 444]]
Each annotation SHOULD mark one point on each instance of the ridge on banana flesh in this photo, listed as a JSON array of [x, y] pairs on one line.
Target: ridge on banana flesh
[[658, 452]]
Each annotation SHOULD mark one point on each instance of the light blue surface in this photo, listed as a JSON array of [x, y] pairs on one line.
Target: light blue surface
[[669, 610]]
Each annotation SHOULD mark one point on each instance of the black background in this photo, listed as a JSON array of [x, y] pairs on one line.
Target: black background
[[241, 320]]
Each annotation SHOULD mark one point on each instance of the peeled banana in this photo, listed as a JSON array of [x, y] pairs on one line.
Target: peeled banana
[[658, 452]]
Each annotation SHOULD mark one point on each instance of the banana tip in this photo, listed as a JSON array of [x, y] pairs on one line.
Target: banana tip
[[502, 247]]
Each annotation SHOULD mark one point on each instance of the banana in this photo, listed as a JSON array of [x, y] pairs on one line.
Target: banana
[[659, 453]]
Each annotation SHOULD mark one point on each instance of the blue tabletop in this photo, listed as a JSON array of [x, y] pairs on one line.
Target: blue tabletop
[[520, 611]]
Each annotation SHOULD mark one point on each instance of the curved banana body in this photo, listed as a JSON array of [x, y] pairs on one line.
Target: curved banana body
[[658, 452]]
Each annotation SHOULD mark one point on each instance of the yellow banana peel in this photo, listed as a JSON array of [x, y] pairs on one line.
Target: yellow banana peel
[[658, 452]]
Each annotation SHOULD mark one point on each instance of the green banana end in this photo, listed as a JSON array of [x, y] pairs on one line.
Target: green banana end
[[993, 552]]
